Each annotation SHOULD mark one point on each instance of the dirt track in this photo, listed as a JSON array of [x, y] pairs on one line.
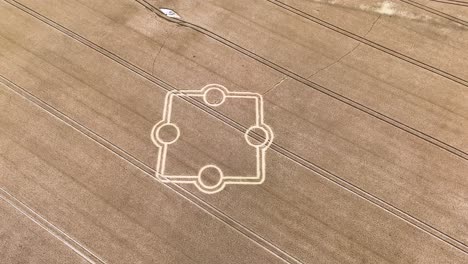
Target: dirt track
[[368, 103]]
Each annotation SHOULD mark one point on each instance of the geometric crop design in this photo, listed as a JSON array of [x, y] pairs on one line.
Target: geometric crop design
[[258, 137]]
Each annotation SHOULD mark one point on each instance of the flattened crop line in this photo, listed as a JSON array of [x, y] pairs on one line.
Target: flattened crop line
[[458, 3], [150, 172], [370, 43], [232, 123], [382, 117], [74, 245], [436, 12]]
